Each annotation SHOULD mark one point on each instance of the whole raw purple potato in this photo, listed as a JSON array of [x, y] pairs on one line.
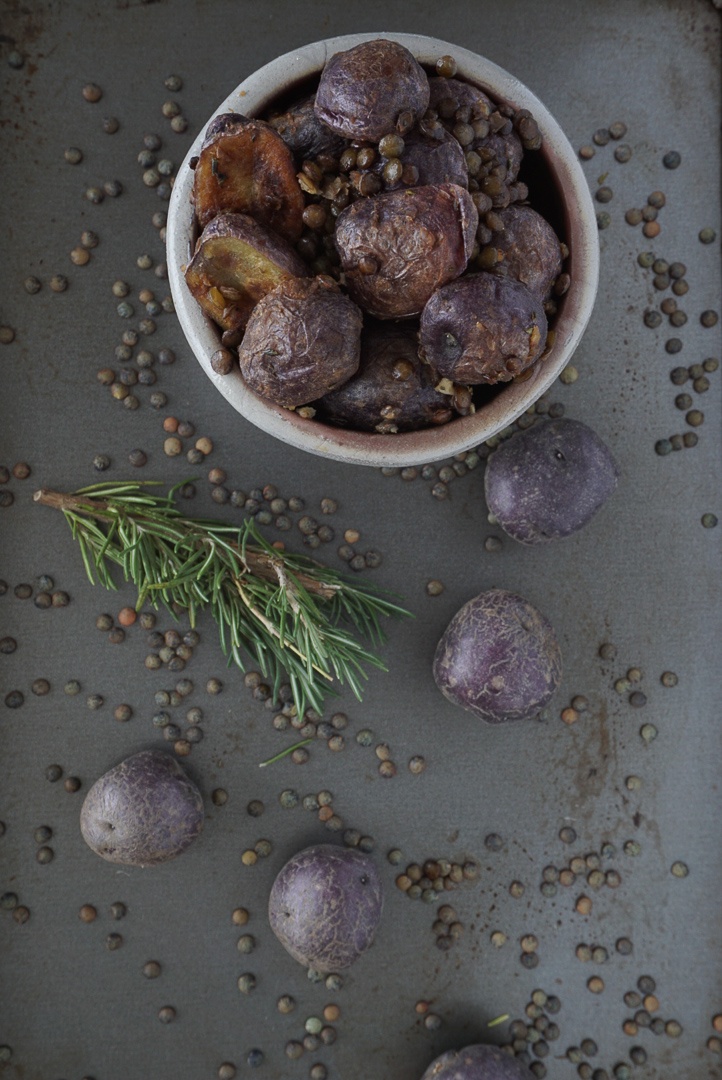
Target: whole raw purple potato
[[549, 481], [325, 906], [479, 1062], [142, 812], [498, 658]]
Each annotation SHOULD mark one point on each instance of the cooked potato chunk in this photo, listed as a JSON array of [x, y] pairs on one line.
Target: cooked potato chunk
[[483, 329], [398, 247], [302, 340], [246, 167], [304, 133], [393, 390], [372, 90], [529, 248], [236, 262]]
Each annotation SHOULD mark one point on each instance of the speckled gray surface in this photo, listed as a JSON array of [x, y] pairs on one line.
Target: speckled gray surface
[[644, 575]]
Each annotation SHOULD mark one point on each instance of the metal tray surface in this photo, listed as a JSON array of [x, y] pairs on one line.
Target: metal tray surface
[[644, 576]]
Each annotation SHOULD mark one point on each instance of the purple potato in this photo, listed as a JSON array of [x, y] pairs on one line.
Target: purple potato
[[393, 390], [483, 329], [549, 481], [479, 1062], [325, 906], [437, 161], [303, 340], [142, 812], [498, 658], [530, 250], [503, 151], [397, 248], [303, 132], [449, 97], [374, 89]]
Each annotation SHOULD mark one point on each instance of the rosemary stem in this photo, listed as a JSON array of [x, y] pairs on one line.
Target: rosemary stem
[[284, 753]]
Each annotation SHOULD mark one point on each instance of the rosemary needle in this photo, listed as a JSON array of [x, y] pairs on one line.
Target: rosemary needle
[[293, 616], [284, 753]]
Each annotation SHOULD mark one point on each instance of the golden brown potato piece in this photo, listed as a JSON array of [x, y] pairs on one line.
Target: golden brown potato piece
[[399, 247], [236, 262], [246, 167], [302, 340]]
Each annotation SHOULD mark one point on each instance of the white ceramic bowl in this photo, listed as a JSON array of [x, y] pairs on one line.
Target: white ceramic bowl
[[573, 206]]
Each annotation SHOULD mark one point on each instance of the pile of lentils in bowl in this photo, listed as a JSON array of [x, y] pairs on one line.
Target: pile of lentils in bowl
[[369, 254]]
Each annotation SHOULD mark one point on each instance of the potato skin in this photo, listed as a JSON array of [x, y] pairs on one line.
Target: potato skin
[[245, 166], [302, 340], [303, 132], [498, 658], [478, 1062], [364, 91], [530, 248], [451, 95], [236, 252], [438, 161], [547, 482], [142, 812], [325, 906], [392, 391], [417, 239], [505, 150], [483, 329]]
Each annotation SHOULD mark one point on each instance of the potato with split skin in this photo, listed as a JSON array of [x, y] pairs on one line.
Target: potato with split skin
[[478, 1062], [142, 812], [236, 262], [529, 248], [325, 906], [483, 329], [302, 341], [498, 658], [397, 248], [304, 134], [393, 390], [245, 167], [547, 482], [374, 89]]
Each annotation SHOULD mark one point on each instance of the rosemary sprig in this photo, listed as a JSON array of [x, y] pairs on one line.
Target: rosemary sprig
[[293, 616]]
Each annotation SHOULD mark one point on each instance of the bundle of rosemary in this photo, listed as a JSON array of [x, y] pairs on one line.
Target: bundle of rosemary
[[293, 616]]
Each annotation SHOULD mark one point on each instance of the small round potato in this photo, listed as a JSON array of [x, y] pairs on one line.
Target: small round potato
[[142, 812], [483, 329], [498, 658], [393, 390], [374, 89], [325, 906], [303, 340], [530, 250], [397, 248], [437, 161], [479, 1062], [303, 132], [547, 482], [453, 99]]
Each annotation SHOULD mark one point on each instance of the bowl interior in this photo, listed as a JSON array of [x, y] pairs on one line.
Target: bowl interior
[[557, 189]]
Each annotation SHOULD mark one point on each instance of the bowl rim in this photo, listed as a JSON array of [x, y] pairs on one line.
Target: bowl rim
[[462, 434]]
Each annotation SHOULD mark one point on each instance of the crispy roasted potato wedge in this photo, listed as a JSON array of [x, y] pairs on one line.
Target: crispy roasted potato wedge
[[246, 167], [236, 262]]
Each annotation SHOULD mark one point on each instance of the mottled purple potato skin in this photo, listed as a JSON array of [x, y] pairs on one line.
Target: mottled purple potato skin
[[245, 167], [418, 239], [363, 91], [479, 1062], [530, 248], [393, 390], [303, 132], [438, 161], [547, 482], [303, 339], [483, 329], [142, 812], [325, 906], [498, 658], [463, 96], [234, 252], [505, 150]]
